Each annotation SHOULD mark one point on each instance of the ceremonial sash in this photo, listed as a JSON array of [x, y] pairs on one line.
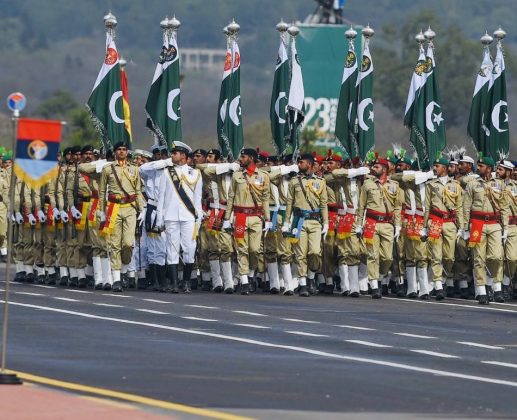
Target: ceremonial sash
[[106, 227], [333, 218], [80, 224], [346, 224]]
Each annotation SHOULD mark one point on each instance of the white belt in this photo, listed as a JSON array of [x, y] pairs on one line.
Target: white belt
[[419, 213], [351, 211], [218, 207], [282, 207], [273, 208], [409, 212], [152, 202], [213, 205], [341, 212]]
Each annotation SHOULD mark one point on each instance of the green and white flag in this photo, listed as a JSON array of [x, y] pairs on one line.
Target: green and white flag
[[423, 114], [229, 117], [278, 108], [163, 106], [347, 96], [499, 141], [296, 102], [479, 119], [106, 103], [362, 111]]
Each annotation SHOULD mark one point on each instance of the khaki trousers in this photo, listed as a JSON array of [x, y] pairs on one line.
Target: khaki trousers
[[122, 240], [510, 252], [248, 249], [307, 251], [488, 255], [442, 250], [380, 252]]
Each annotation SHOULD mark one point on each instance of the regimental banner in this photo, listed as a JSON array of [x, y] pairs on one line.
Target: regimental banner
[[323, 49], [37, 147]]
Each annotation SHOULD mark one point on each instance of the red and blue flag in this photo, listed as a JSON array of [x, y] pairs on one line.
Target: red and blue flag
[[37, 147]]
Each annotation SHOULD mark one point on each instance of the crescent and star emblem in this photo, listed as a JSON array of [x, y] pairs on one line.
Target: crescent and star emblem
[[360, 113], [113, 112], [281, 95], [496, 114], [173, 94], [234, 107], [431, 118]]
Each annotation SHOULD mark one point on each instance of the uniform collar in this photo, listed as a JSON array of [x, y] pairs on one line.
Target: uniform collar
[[251, 169]]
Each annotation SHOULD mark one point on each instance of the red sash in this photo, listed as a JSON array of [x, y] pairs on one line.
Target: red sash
[[476, 232], [369, 230], [345, 226]]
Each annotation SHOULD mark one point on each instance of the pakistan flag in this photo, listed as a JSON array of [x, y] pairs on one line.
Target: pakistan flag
[[423, 114], [106, 103], [362, 111], [163, 103], [229, 116], [279, 96], [347, 96], [499, 139], [478, 126]]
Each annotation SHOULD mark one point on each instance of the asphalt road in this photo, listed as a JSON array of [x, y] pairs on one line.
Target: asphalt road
[[274, 356]]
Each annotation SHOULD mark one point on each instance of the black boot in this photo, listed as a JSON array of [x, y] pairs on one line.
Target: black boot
[[187, 271], [449, 291], [266, 288], [464, 293], [63, 281], [51, 279], [245, 289], [311, 286], [82, 283], [73, 282], [303, 291], [252, 288], [506, 292], [490, 293], [152, 279], [440, 295], [19, 277], [172, 277], [376, 294], [124, 279], [193, 282], [483, 299], [141, 283], [384, 288], [90, 281], [30, 277], [498, 297]]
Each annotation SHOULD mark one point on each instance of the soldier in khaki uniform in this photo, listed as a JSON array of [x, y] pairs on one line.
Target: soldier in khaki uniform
[[443, 223], [248, 202], [379, 208], [486, 215], [5, 182], [416, 258], [217, 176], [306, 219], [504, 172], [119, 213]]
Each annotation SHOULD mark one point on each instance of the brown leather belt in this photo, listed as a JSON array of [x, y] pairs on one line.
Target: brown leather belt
[[486, 217], [447, 216], [122, 199], [379, 217], [249, 211]]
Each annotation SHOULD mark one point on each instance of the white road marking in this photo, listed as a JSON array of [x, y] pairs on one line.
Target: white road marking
[[116, 295], [484, 346], [78, 291], [258, 327], [43, 286], [202, 307], [414, 335], [194, 318], [66, 299], [353, 327], [153, 312], [434, 353], [300, 320], [156, 301], [29, 293], [368, 343], [490, 362], [108, 305], [248, 313], [481, 307], [306, 334], [402, 366]]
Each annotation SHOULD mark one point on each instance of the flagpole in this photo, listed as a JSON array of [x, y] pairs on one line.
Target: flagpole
[[9, 378], [293, 32]]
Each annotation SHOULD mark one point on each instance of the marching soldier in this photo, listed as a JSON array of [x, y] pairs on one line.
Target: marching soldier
[[486, 217], [121, 184], [504, 172], [179, 212], [247, 208], [378, 221], [443, 223], [307, 208], [5, 183]]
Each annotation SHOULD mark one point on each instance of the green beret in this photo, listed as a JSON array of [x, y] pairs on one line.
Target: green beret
[[441, 161], [487, 160]]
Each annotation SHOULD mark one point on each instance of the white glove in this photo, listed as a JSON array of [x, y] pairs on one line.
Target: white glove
[[227, 225], [76, 214], [19, 218], [141, 217], [423, 233], [286, 228], [64, 216], [235, 166], [359, 231], [397, 232], [41, 216], [325, 230], [284, 170], [32, 219], [460, 234], [101, 216], [505, 236], [352, 173], [13, 218], [466, 235], [56, 214], [267, 227]]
